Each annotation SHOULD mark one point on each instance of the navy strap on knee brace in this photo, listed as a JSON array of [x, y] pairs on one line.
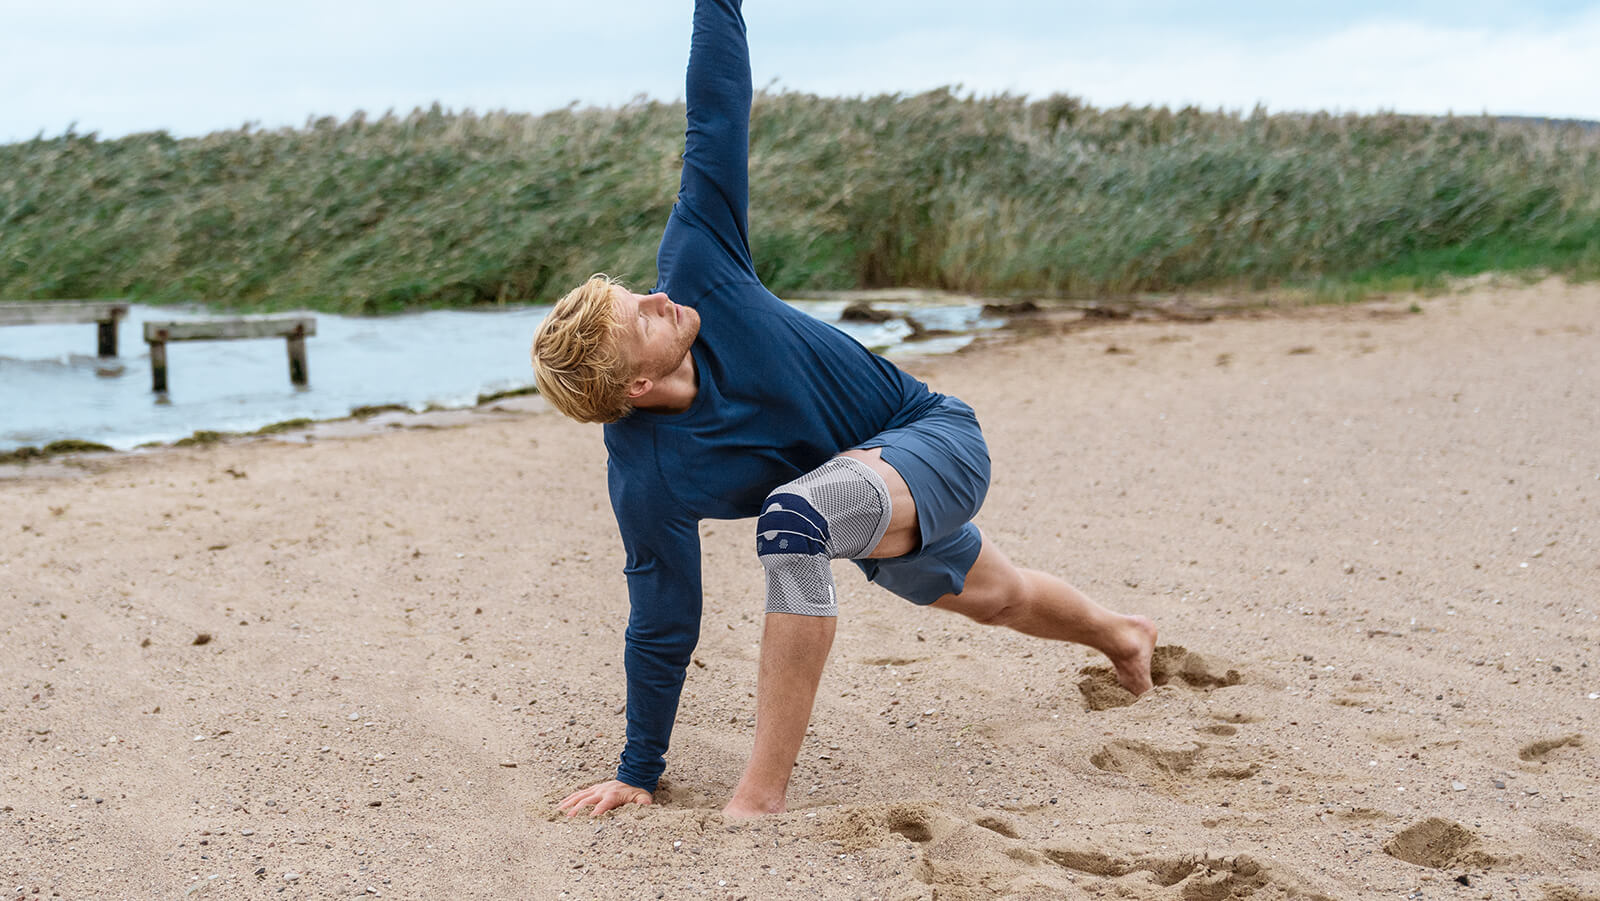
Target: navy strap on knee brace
[[838, 510]]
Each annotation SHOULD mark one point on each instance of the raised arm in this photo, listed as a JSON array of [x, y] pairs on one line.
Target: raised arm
[[715, 189]]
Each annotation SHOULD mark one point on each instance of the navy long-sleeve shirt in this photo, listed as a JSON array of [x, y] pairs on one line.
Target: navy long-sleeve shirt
[[779, 393]]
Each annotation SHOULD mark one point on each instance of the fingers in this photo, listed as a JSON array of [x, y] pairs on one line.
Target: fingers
[[575, 797], [604, 797], [581, 799], [610, 801], [617, 795]]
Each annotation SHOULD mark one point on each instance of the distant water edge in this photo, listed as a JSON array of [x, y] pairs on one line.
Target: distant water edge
[[54, 389]]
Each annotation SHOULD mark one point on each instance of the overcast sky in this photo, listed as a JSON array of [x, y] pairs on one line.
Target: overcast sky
[[194, 66]]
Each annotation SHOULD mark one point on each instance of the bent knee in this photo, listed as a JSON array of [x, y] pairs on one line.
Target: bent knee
[[838, 510], [1002, 614], [997, 600]]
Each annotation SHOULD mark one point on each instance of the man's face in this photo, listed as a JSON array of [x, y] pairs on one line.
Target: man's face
[[655, 332]]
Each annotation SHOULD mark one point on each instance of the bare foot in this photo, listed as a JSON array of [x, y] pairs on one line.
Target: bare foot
[[1132, 663], [742, 810]]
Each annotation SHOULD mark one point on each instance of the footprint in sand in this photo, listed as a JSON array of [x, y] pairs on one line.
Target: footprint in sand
[[1439, 844], [890, 661], [1537, 751], [1206, 876], [967, 855], [1170, 664], [1162, 766]]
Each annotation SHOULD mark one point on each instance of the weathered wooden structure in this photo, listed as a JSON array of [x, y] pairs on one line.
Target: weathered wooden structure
[[107, 313], [295, 329]]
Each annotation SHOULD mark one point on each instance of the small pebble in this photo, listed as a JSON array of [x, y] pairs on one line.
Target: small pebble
[[291, 877], [1458, 786], [1499, 784]]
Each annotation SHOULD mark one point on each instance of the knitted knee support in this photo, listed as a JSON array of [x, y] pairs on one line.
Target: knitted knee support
[[838, 510]]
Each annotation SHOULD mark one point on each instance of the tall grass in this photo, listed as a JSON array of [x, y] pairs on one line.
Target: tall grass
[[997, 195]]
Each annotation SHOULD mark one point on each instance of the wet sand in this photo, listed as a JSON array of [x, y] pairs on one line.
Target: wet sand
[[370, 665]]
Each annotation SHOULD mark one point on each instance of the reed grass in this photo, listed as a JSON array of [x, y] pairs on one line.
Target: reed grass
[[997, 195]]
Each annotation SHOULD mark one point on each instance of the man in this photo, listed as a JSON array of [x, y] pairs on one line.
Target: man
[[723, 402]]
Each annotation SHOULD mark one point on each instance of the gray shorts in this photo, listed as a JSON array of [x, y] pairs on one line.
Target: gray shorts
[[945, 462]]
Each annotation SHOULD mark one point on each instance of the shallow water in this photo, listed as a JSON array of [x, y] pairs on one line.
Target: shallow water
[[52, 387]]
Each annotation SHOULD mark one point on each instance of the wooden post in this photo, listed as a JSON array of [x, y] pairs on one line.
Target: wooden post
[[297, 356], [108, 331], [158, 361]]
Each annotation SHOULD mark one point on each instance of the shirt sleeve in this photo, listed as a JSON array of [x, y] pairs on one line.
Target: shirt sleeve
[[663, 572], [714, 194]]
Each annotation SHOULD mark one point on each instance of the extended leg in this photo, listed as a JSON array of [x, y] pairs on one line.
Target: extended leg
[[1036, 603]]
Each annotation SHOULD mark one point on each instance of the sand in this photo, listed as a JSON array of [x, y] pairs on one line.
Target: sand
[[370, 666]]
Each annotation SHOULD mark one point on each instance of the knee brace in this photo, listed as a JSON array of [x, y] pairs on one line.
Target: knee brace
[[838, 510]]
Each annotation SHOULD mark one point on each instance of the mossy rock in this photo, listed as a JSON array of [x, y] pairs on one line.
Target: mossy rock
[[201, 437], [288, 425], [75, 446], [512, 392], [24, 454], [28, 453], [368, 412]]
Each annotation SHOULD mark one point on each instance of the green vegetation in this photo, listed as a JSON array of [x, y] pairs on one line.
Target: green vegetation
[[367, 412], [28, 453], [201, 438], [993, 195], [287, 425], [501, 395]]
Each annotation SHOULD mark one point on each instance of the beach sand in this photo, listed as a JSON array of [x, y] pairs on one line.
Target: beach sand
[[371, 666]]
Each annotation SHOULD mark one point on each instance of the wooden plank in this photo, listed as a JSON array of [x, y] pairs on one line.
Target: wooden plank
[[231, 329], [40, 312]]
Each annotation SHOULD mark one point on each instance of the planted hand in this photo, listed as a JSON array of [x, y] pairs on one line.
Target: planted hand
[[605, 796]]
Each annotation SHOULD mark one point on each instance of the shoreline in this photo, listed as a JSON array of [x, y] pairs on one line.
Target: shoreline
[[1023, 319]]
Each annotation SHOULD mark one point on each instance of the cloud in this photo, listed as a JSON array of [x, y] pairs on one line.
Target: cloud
[[1391, 65], [192, 66]]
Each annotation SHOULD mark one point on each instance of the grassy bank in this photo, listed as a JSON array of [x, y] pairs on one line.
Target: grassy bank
[[994, 195]]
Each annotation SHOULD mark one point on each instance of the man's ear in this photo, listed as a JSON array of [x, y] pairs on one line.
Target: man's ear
[[639, 387]]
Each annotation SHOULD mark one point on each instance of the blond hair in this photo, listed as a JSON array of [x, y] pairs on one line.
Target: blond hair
[[577, 360]]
